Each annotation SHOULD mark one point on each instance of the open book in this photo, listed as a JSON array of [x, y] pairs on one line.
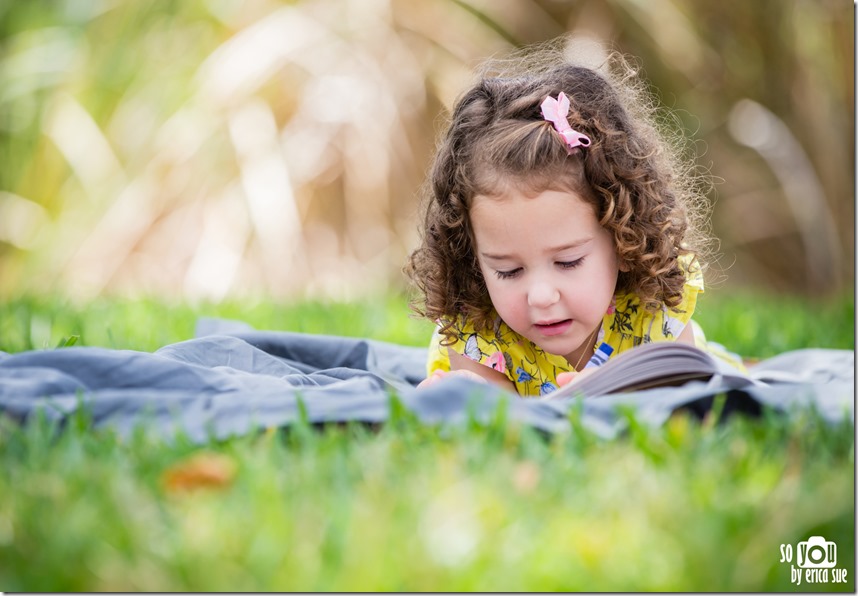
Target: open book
[[651, 365]]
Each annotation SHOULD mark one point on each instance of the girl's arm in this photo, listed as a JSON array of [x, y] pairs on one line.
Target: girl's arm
[[687, 335], [463, 365]]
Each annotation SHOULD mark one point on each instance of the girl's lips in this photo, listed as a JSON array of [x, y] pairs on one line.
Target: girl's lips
[[555, 328]]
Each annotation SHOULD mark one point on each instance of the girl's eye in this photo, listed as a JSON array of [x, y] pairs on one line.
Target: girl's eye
[[508, 274], [570, 264]]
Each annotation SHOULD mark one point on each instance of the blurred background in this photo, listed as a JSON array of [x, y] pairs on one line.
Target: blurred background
[[204, 149]]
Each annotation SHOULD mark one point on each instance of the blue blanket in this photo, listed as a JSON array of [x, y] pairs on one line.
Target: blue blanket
[[231, 380]]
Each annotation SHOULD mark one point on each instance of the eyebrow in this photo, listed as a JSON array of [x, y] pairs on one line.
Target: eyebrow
[[554, 249]]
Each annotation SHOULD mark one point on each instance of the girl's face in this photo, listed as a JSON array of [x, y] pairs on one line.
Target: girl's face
[[550, 268]]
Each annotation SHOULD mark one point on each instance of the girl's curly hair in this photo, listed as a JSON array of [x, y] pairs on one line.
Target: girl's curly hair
[[636, 177]]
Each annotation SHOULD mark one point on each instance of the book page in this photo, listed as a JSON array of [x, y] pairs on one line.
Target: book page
[[652, 365]]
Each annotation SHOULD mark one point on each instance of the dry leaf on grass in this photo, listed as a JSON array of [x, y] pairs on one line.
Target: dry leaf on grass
[[202, 470]]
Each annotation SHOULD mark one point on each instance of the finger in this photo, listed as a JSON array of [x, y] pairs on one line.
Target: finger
[[565, 378], [433, 378]]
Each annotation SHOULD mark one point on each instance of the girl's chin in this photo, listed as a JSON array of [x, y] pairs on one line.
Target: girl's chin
[[560, 346]]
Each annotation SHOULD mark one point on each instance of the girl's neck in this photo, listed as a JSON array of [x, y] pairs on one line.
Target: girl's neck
[[578, 359]]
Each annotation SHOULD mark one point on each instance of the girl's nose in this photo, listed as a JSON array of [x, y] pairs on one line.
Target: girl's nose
[[542, 294]]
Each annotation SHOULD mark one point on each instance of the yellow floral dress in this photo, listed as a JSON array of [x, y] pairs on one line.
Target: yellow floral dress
[[626, 324]]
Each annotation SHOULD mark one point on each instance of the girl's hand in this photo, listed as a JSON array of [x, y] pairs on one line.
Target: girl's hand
[[440, 374], [565, 378]]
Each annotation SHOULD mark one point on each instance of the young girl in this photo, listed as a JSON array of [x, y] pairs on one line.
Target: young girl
[[557, 221]]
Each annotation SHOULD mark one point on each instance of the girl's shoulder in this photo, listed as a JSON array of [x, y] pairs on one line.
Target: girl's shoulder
[[693, 273], [630, 323], [476, 344]]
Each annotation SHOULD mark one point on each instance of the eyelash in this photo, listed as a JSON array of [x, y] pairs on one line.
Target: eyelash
[[563, 265], [507, 274], [571, 264]]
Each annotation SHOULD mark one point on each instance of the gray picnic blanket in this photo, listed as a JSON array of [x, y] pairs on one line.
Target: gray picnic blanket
[[233, 380]]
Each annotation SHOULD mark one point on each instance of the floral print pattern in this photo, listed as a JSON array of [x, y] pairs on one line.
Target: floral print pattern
[[625, 325]]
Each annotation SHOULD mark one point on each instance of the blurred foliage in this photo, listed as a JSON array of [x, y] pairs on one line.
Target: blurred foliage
[[482, 506], [207, 148], [35, 323], [753, 325]]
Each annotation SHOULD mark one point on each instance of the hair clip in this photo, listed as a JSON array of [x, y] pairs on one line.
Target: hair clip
[[556, 112]]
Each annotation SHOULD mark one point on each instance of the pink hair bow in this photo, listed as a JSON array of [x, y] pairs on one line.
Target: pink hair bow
[[556, 112]]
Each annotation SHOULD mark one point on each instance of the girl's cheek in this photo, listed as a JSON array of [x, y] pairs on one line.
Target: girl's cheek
[[506, 294], [503, 301], [513, 309]]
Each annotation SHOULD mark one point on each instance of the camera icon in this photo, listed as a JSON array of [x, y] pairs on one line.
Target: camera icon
[[816, 552]]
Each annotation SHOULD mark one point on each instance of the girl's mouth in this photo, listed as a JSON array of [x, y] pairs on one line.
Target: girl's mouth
[[553, 327]]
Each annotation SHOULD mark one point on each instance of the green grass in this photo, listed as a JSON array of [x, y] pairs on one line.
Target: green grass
[[409, 507], [145, 324], [753, 325], [763, 325]]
